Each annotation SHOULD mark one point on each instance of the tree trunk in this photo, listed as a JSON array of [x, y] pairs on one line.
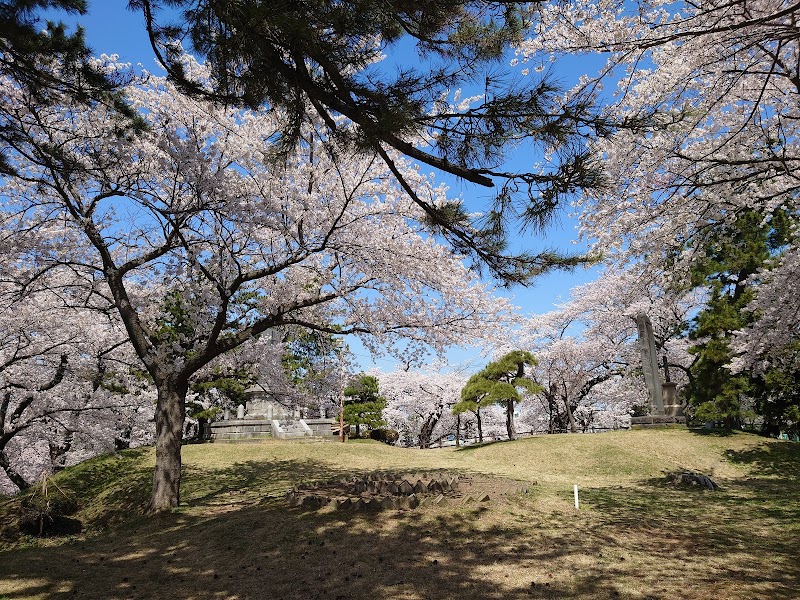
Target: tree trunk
[[58, 452], [425, 435], [458, 430], [122, 441], [12, 473], [480, 428], [510, 429], [572, 425], [202, 428], [426, 432], [553, 414], [170, 413]]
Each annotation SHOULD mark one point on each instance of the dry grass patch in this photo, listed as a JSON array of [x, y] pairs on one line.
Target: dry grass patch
[[635, 536]]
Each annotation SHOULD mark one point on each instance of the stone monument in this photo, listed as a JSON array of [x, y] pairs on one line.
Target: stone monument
[[647, 347], [264, 416], [664, 404]]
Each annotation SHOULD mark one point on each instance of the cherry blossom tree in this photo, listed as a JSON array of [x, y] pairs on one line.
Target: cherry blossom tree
[[202, 242], [714, 88], [769, 348], [67, 386], [320, 60], [587, 349], [774, 335], [724, 138], [420, 403]]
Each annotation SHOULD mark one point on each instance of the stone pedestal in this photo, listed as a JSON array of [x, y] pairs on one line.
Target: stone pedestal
[[656, 421], [672, 405], [259, 428]]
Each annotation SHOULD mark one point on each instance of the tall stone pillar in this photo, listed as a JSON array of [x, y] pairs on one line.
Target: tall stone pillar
[[647, 347]]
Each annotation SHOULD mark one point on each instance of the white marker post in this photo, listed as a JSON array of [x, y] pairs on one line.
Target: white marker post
[[577, 504]]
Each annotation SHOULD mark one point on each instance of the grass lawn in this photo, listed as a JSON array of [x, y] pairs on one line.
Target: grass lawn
[[234, 537]]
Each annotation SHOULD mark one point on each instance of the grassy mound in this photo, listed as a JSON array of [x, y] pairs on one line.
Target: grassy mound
[[234, 536]]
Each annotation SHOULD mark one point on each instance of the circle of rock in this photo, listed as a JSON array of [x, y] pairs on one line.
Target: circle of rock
[[374, 492]]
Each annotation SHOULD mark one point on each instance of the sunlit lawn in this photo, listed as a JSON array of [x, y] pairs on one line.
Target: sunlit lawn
[[234, 537]]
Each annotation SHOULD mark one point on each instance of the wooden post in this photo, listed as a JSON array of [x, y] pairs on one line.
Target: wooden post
[[341, 398]]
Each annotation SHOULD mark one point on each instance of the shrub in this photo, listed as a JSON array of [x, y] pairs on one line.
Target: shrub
[[387, 436], [46, 509]]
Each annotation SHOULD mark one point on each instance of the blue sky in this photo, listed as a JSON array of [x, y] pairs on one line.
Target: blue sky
[[112, 29]]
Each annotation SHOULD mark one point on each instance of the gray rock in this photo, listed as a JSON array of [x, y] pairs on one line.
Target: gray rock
[[692, 478]]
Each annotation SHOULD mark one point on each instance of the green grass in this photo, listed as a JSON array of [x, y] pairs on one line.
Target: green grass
[[234, 537]]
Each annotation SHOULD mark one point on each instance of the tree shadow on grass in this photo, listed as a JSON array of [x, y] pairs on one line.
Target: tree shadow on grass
[[272, 551], [773, 458], [268, 550], [720, 432], [752, 536], [248, 479], [237, 538], [241, 482], [477, 445]]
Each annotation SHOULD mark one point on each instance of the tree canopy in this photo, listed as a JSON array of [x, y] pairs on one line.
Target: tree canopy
[[322, 60], [224, 245]]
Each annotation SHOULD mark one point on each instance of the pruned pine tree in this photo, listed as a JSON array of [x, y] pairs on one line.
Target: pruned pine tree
[[363, 404], [503, 382], [53, 65]]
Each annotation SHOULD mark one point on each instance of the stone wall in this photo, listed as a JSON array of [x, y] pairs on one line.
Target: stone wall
[[240, 430], [256, 429], [321, 427]]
